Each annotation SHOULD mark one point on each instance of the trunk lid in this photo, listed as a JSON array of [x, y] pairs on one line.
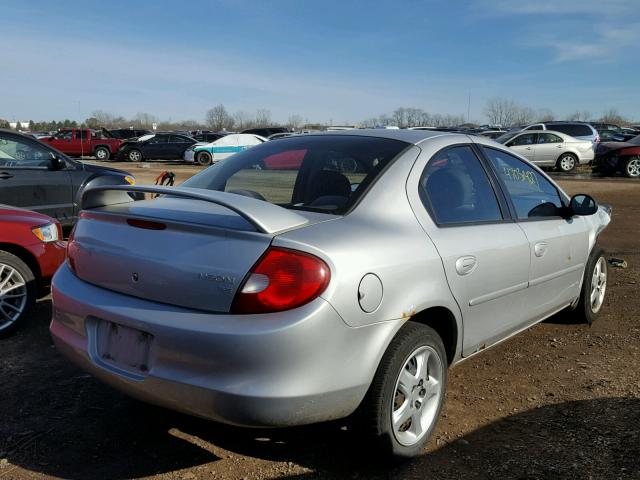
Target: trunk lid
[[187, 252]]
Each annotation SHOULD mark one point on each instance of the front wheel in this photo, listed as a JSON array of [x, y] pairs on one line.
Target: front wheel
[[567, 162], [594, 286], [204, 158], [631, 167], [17, 292], [402, 406], [134, 155]]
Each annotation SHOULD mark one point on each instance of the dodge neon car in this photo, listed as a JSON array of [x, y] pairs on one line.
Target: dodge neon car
[[349, 281], [208, 153]]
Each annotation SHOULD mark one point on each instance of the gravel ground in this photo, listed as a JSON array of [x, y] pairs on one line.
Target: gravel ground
[[559, 401]]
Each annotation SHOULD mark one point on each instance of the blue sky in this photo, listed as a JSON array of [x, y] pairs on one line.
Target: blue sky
[[340, 61]]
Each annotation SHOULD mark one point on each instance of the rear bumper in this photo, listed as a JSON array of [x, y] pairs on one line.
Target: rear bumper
[[292, 368]]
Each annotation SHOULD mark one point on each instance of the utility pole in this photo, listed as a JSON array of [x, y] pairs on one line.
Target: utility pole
[[469, 107]]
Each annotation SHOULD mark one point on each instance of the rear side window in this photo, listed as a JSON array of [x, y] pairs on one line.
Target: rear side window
[[455, 188], [532, 195], [325, 173], [548, 138], [573, 130]]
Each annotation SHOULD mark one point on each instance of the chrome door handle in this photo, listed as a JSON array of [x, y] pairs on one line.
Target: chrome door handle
[[465, 265], [540, 249]]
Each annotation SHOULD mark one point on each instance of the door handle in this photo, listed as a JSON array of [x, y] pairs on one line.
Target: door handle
[[528, 148], [559, 146], [5, 175], [540, 249], [465, 265]]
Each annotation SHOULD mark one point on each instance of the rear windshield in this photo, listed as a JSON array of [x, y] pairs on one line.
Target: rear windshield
[[325, 173], [573, 130]]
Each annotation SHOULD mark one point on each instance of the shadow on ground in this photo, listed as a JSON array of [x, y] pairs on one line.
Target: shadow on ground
[[58, 421]]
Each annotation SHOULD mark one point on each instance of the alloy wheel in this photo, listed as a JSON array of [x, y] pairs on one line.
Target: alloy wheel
[[417, 395], [13, 295], [633, 167], [598, 285]]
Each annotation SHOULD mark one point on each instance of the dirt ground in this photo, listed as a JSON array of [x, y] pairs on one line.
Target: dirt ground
[[560, 400]]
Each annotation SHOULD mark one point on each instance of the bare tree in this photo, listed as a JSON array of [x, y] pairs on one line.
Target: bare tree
[[399, 117], [217, 118], [263, 117], [145, 120], [613, 116], [580, 116], [524, 115], [545, 115], [295, 122], [501, 111], [243, 119]]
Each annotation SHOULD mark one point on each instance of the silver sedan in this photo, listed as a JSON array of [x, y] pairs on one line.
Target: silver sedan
[[310, 278], [550, 149]]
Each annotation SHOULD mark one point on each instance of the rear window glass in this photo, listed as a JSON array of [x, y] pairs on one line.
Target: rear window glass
[[572, 130], [318, 173]]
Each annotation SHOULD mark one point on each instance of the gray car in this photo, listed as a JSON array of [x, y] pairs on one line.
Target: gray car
[[309, 278]]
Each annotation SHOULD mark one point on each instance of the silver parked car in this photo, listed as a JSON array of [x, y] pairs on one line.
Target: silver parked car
[[309, 278], [551, 149]]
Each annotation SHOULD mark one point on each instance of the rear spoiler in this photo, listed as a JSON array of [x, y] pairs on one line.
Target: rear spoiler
[[264, 216]]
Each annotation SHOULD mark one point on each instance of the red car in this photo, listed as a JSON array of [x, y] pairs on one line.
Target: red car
[[623, 157], [81, 142], [31, 251]]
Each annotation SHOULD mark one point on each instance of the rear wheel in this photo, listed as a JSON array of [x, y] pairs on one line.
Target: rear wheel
[[402, 406], [204, 158], [567, 162], [102, 153], [17, 292], [134, 155], [594, 286], [631, 167]]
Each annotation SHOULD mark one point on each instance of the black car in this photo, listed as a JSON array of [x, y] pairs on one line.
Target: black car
[[40, 178], [159, 146], [126, 133], [266, 132], [208, 137]]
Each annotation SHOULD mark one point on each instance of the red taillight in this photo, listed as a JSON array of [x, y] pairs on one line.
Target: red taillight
[[281, 280]]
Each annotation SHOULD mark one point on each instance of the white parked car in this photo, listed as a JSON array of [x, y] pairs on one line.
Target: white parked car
[[550, 148], [208, 153]]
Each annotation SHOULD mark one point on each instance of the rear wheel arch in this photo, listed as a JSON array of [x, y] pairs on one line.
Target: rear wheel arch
[[444, 322]]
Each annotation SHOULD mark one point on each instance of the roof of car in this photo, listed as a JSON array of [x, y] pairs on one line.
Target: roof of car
[[408, 136]]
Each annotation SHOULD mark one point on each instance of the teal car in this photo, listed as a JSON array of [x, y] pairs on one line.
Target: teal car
[[208, 153]]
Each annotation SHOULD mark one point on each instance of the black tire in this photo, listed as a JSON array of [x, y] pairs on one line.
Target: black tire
[[135, 155], [102, 153], [584, 310], [204, 158], [15, 264], [374, 416], [567, 162], [631, 167]]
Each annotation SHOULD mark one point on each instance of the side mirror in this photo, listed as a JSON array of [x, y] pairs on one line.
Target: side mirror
[[582, 204], [56, 162]]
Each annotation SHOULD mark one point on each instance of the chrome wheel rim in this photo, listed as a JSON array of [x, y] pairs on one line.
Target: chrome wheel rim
[[633, 167], [13, 295], [417, 395], [101, 154], [598, 285], [134, 156], [567, 163]]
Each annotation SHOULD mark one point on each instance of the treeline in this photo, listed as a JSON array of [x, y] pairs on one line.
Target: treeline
[[498, 111]]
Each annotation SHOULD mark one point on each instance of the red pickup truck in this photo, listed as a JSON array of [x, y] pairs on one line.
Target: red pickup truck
[[85, 142]]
